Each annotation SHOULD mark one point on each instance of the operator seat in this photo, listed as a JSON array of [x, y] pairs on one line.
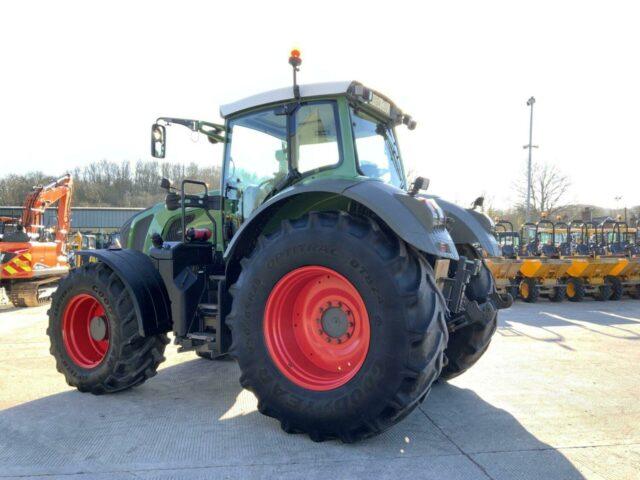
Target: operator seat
[[549, 250], [508, 251], [582, 249]]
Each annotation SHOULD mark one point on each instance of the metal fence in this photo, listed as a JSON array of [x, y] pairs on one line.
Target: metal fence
[[85, 219]]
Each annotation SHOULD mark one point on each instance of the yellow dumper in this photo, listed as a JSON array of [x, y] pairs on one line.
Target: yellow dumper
[[590, 266], [542, 272], [622, 242], [506, 269]]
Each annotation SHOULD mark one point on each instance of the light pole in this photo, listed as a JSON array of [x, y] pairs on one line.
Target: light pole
[[617, 199], [530, 103]]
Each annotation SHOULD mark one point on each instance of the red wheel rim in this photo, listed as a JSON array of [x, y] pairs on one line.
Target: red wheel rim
[[85, 347], [316, 328]]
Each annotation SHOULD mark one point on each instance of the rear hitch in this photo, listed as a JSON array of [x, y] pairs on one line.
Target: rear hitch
[[454, 288], [501, 300], [474, 313]]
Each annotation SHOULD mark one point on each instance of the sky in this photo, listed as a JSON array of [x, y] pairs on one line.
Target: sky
[[83, 81]]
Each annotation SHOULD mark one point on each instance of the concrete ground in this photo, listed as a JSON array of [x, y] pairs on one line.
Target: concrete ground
[[555, 397]]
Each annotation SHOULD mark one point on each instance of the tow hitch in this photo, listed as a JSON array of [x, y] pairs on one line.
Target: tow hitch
[[463, 313]]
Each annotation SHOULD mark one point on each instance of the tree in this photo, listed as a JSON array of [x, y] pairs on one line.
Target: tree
[[113, 184], [548, 189]]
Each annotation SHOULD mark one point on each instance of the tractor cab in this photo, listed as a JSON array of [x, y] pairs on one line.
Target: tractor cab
[[296, 136]]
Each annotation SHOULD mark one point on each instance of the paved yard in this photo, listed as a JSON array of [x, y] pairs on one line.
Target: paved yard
[[556, 397]]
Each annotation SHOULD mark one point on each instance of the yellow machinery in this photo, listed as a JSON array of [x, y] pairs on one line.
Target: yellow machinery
[[506, 269], [577, 260], [542, 272], [590, 265], [80, 241], [621, 242], [531, 265]]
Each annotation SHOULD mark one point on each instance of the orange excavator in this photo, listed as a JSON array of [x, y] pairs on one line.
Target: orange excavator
[[33, 256]]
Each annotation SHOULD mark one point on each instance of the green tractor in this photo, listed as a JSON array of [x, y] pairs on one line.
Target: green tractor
[[342, 292]]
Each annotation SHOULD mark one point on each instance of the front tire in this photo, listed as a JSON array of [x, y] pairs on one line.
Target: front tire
[[558, 294], [575, 290], [617, 290], [94, 336], [603, 293], [529, 290], [338, 328]]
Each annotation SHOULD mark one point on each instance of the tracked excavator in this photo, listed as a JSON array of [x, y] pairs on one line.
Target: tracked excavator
[[33, 256]]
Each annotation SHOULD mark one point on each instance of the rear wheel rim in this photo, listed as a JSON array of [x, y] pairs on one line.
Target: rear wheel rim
[[316, 328], [85, 331]]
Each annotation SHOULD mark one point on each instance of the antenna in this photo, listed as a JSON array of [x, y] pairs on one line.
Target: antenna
[[295, 61]]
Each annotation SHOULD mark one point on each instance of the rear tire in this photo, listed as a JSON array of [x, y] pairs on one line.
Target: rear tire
[[617, 290], [603, 293], [468, 344], [116, 360], [529, 290], [635, 292], [575, 290], [558, 294], [403, 310]]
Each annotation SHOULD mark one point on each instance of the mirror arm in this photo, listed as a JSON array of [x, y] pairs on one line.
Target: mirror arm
[[212, 130]]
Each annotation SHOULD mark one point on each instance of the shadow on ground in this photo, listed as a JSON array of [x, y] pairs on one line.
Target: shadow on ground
[[193, 421], [609, 319]]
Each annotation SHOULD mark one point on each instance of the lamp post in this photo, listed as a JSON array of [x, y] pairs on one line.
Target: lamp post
[[530, 103], [618, 199]]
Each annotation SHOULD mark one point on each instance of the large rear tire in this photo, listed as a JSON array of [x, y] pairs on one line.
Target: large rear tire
[[469, 343], [94, 333], [338, 328]]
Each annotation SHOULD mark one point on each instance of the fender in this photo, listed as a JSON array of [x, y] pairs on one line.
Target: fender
[[468, 226], [144, 284], [419, 222]]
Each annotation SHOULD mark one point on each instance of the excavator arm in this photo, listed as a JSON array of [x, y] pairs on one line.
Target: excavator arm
[[42, 197]]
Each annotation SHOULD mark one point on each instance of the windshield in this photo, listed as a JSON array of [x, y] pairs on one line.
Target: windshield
[[376, 149]]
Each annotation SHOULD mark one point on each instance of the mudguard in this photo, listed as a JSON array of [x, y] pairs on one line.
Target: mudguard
[[419, 222], [468, 226], [144, 284]]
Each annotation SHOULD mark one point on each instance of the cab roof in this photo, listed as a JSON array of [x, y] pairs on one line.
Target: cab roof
[[284, 94]]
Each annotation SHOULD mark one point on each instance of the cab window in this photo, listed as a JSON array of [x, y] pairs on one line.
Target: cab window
[[256, 157], [376, 149], [316, 137]]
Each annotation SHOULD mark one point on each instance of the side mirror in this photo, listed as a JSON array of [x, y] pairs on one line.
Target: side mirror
[[158, 140], [165, 184], [478, 202], [420, 183]]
